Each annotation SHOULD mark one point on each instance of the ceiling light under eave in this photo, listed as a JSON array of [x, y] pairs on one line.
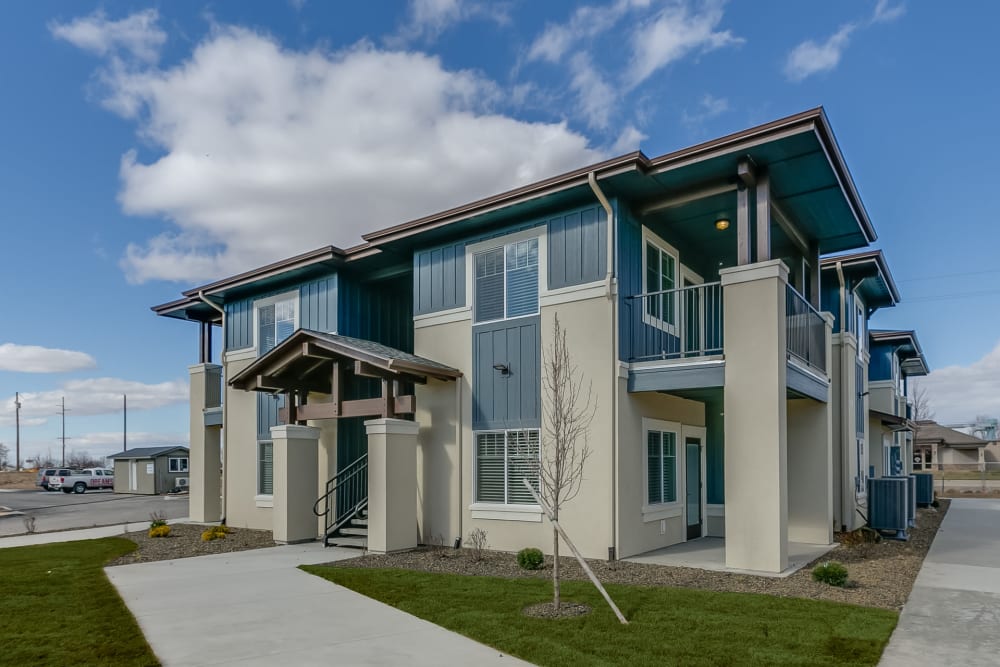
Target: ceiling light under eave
[[722, 224]]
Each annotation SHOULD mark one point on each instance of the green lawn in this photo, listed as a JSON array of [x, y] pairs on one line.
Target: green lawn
[[58, 608], [668, 626]]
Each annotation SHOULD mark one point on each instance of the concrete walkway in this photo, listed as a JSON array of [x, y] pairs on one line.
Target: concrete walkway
[[256, 608], [27, 540], [953, 612]]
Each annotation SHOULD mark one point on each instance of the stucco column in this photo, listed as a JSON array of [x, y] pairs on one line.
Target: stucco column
[[755, 416], [296, 452], [810, 466], [392, 485], [204, 480]]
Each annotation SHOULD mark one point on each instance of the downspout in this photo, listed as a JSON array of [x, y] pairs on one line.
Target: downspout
[[225, 404], [459, 445], [845, 465], [611, 292]]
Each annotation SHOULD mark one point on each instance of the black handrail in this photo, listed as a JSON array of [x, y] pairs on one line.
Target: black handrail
[[346, 495]]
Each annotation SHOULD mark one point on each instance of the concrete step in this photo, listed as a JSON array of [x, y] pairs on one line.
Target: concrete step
[[354, 531], [354, 542]]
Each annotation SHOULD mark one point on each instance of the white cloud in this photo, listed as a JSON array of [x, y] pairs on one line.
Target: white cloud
[[267, 152], [810, 57], [37, 359], [708, 107], [676, 31], [95, 396], [137, 34], [959, 393], [887, 13], [429, 18], [628, 140], [595, 96], [586, 22]]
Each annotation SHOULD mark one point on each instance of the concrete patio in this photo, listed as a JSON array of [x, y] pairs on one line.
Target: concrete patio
[[709, 553]]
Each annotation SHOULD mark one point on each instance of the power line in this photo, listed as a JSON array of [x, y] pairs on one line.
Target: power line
[[949, 275], [954, 295]]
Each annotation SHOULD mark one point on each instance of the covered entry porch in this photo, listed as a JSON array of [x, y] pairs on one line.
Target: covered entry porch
[[321, 377], [709, 553]]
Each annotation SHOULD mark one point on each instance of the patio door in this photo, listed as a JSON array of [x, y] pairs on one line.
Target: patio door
[[694, 472]]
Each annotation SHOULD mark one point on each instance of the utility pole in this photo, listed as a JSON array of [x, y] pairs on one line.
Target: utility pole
[[17, 426], [63, 438], [124, 422]]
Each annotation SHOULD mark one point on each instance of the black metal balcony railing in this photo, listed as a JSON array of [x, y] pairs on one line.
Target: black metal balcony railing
[[805, 331], [676, 324]]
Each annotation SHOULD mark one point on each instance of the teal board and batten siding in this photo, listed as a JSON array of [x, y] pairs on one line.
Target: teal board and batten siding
[[511, 400], [880, 364], [577, 254], [317, 311], [715, 437]]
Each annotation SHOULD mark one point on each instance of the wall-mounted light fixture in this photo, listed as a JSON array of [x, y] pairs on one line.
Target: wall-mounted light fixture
[[722, 224], [503, 368]]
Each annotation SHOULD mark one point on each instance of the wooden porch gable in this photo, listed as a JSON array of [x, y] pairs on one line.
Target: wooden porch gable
[[314, 362]]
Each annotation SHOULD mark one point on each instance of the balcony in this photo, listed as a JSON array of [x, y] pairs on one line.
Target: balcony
[[678, 331], [675, 341]]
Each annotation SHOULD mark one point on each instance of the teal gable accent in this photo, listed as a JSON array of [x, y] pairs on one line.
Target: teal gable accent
[[880, 365], [577, 254], [317, 310]]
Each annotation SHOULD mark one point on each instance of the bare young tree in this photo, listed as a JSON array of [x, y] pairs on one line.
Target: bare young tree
[[566, 413], [921, 406]]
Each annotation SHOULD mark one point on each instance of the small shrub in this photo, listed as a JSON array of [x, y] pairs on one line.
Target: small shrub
[[215, 533], [831, 572], [530, 558], [159, 531], [478, 544], [157, 519]]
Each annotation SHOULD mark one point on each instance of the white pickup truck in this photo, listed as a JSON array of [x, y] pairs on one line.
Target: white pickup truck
[[82, 480]]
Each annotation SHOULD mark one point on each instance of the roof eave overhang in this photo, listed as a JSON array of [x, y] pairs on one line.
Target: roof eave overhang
[[868, 264]]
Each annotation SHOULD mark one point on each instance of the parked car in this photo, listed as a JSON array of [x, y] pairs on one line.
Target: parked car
[[79, 481], [46, 475]]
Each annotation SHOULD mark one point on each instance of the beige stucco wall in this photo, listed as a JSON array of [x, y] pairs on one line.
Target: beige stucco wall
[[443, 467], [636, 533], [240, 435], [882, 397], [951, 456], [879, 439], [810, 472], [846, 500]]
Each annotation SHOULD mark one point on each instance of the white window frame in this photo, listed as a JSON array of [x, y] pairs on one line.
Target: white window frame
[[656, 511], [506, 470], [263, 499], [504, 242], [269, 301], [650, 238], [170, 464]]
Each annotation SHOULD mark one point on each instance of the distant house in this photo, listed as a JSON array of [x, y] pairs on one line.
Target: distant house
[[151, 470], [937, 447]]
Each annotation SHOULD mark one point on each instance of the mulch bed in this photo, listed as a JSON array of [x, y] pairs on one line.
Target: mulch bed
[[880, 574], [185, 541], [548, 610]]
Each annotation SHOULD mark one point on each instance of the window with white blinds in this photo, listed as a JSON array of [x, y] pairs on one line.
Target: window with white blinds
[[276, 321], [506, 281], [503, 459], [265, 468], [661, 467]]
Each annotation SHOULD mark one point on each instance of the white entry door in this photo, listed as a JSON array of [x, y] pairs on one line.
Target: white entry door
[[133, 477]]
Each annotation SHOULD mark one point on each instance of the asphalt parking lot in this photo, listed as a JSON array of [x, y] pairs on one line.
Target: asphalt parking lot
[[60, 511]]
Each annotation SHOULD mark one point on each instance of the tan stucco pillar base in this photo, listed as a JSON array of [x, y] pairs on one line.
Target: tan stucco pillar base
[[204, 457], [392, 485], [296, 452], [755, 416]]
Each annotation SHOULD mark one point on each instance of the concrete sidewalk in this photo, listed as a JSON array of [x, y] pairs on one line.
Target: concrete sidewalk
[[116, 530], [953, 612], [256, 608]]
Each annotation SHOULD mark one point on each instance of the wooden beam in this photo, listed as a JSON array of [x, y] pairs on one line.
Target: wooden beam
[[790, 229], [337, 387], [366, 407], [679, 200], [388, 403], [364, 369], [747, 178], [763, 217]]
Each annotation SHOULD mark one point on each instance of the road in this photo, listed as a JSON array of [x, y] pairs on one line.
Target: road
[[60, 511]]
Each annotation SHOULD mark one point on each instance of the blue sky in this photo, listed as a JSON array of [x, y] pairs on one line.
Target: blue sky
[[151, 147]]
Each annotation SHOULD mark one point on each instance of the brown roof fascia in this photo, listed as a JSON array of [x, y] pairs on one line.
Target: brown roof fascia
[[634, 160], [326, 253]]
